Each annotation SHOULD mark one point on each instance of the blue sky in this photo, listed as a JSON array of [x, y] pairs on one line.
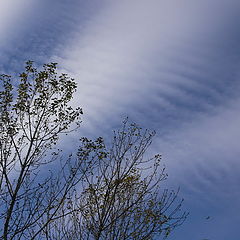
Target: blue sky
[[170, 65]]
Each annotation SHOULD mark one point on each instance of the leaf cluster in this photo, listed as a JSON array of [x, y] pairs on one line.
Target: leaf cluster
[[34, 110]]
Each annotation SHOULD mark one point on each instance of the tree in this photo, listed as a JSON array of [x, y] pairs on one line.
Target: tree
[[121, 197], [97, 192], [32, 116]]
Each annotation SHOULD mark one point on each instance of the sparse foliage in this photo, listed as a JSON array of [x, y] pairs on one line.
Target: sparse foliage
[[99, 192], [32, 116], [121, 197]]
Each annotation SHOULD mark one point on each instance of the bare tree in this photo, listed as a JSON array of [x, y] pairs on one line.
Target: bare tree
[[121, 198]]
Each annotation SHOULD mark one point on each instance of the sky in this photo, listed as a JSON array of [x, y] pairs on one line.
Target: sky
[[169, 65]]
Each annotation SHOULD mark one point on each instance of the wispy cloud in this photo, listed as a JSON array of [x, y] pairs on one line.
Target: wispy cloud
[[170, 65], [12, 17], [150, 59], [159, 62], [36, 30]]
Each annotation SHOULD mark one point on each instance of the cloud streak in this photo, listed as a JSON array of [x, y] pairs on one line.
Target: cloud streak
[[171, 65], [143, 53], [172, 68]]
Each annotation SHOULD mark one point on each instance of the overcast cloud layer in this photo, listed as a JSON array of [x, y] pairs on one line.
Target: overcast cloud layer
[[172, 66]]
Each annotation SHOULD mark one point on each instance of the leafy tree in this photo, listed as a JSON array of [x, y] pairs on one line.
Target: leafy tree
[[97, 193], [32, 116]]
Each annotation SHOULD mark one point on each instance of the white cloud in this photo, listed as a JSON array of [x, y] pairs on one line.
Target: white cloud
[[134, 51], [12, 17], [147, 57], [170, 64], [203, 155]]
